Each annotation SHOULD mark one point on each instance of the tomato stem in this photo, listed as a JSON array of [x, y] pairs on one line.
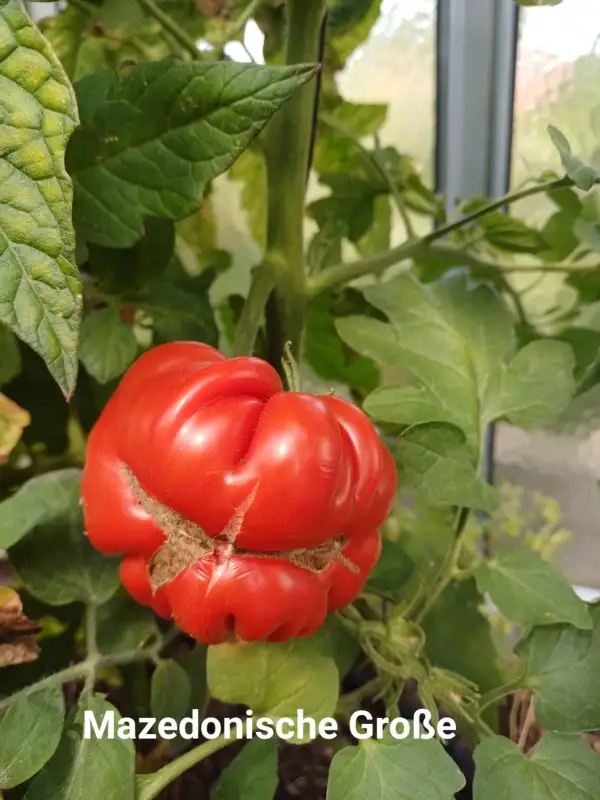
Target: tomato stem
[[287, 154]]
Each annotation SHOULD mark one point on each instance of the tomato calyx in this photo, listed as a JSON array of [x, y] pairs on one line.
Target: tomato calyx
[[186, 543]]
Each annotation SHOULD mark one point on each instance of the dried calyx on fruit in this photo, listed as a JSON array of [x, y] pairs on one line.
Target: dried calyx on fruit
[[242, 511]]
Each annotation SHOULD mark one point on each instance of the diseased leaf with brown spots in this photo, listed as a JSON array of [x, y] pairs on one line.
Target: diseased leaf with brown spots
[[13, 419], [17, 645]]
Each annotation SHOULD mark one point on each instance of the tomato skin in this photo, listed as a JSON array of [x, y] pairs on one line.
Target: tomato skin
[[217, 440]]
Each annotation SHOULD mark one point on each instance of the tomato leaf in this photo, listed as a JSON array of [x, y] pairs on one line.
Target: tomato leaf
[[252, 775], [124, 625], [108, 345], [529, 590], [57, 563], [582, 175], [560, 766], [457, 343], [563, 671], [30, 731], [13, 421], [170, 691], [187, 121], [42, 499], [436, 459], [392, 768], [458, 636], [40, 293], [87, 769], [275, 680], [10, 356]]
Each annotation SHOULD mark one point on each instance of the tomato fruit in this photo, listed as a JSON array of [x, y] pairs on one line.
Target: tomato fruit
[[241, 510]]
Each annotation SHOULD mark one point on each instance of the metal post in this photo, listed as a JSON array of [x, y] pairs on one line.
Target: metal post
[[477, 48]]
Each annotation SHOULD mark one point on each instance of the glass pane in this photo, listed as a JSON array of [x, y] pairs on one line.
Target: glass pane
[[557, 79]]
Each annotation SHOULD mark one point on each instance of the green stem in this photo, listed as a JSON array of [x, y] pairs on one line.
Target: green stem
[[378, 263], [169, 24], [494, 695], [79, 671], [261, 286], [446, 572], [287, 152], [238, 26], [150, 786], [91, 630]]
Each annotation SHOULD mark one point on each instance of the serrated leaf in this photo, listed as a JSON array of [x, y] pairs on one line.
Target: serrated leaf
[[582, 175], [150, 142], [87, 769], [10, 356], [399, 769], [563, 671], [560, 766], [13, 421], [30, 731], [252, 775], [537, 385], [108, 345], [43, 499], [124, 625], [275, 680], [180, 309], [56, 563], [40, 296], [170, 691], [436, 459], [529, 590], [457, 342]]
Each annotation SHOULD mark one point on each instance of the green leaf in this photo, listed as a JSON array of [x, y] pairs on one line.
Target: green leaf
[[170, 691], [349, 23], [458, 637], [40, 296], [43, 499], [108, 345], [252, 775], [180, 309], [457, 343], [511, 234], [30, 731], [87, 769], [436, 459], [582, 175], [150, 142], [56, 562], [80, 51], [529, 590], [10, 356], [275, 680], [333, 640], [326, 353], [559, 767], [129, 270], [403, 770], [392, 571], [124, 625], [563, 671], [537, 384]]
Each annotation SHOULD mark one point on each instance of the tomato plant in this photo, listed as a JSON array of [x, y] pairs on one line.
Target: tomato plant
[[269, 500]]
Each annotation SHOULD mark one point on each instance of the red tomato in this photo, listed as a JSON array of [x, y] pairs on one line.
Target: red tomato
[[212, 446]]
